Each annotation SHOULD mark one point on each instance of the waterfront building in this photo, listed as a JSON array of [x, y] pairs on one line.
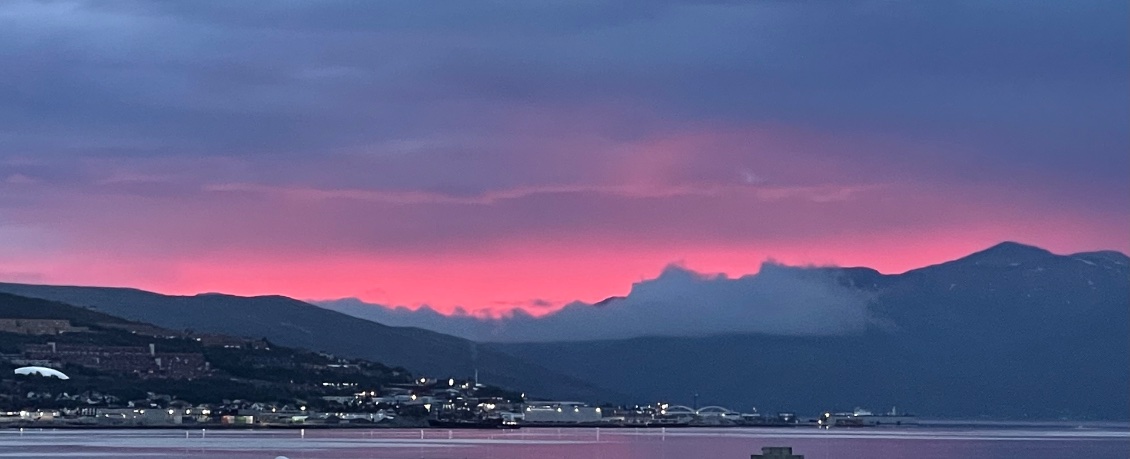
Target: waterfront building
[[136, 416]]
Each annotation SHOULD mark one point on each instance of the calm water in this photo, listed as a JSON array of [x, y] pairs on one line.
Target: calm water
[[1111, 441]]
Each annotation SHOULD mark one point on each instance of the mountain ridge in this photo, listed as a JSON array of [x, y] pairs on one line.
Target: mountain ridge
[[1043, 336], [294, 323]]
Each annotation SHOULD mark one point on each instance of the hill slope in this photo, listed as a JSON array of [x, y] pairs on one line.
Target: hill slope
[[293, 323], [20, 307], [196, 371]]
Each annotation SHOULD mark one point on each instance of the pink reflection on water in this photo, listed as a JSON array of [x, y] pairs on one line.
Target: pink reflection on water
[[926, 443]]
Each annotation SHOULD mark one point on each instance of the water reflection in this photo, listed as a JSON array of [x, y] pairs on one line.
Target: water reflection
[[938, 442]]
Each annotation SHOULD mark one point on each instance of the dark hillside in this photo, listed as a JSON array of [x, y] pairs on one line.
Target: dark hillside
[[19, 307], [297, 324]]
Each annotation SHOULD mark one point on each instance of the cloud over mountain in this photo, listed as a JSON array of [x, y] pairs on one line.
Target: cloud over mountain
[[778, 300]]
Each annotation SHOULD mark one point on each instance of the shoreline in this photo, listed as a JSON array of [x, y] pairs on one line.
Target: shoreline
[[931, 424]]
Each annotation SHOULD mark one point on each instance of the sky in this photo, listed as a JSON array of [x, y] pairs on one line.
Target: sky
[[496, 155]]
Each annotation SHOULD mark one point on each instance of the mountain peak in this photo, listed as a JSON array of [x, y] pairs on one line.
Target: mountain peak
[[1007, 253]]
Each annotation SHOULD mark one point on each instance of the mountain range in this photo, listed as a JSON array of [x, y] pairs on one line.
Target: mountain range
[[1013, 331], [1010, 332]]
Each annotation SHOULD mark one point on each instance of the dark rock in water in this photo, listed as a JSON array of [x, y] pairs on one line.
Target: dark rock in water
[[776, 452]]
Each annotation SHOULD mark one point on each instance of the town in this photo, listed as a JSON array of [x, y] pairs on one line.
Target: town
[[72, 367]]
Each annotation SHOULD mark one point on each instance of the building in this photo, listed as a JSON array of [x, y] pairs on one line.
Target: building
[[231, 342], [143, 361], [137, 416]]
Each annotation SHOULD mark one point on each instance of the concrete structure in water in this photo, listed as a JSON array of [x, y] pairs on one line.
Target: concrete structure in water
[[776, 452], [561, 412]]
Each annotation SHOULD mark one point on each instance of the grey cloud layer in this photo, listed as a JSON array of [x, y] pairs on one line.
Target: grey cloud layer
[[160, 120], [779, 300], [1021, 88]]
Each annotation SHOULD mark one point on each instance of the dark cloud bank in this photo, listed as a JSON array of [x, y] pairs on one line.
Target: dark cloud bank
[[300, 90], [779, 300]]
